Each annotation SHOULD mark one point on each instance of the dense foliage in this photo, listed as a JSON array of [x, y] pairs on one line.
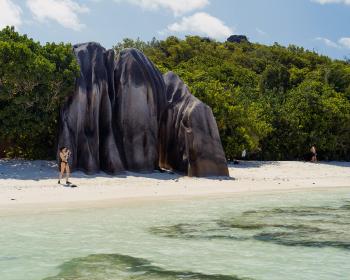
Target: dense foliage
[[34, 80], [274, 101]]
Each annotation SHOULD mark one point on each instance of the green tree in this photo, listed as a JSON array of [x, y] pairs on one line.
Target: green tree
[[34, 80]]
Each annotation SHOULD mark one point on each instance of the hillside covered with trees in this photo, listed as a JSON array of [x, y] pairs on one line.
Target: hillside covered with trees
[[274, 101]]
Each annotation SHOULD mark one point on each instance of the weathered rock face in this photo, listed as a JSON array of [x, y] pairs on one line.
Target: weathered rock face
[[140, 101], [123, 116], [111, 121], [86, 118], [189, 137]]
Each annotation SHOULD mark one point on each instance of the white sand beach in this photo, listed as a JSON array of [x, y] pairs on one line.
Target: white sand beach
[[33, 184]]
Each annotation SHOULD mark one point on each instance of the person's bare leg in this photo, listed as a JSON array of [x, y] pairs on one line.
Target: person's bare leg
[[67, 173], [61, 172]]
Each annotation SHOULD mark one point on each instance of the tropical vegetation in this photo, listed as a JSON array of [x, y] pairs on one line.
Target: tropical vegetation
[[274, 101]]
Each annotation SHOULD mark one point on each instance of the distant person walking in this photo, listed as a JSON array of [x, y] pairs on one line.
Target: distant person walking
[[244, 153], [64, 165], [313, 154]]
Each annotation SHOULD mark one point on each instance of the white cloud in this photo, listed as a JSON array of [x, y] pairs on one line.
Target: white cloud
[[345, 42], [327, 42], [10, 14], [201, 24], [323, 2], [64, 12], [178, 7], [260, 32], [342, 43]]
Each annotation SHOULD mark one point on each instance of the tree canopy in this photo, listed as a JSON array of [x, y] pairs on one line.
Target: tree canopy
[[34, 80], [273, 101]]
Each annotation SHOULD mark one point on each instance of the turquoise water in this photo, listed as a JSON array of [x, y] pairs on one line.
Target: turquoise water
[[275, 236]]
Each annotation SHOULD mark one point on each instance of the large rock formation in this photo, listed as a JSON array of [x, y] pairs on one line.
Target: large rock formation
[[86, 120], [122, 116], [139, 104], [189, 137]]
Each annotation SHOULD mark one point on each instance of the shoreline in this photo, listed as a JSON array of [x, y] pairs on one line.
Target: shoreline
[[32, 185], [52, 207]]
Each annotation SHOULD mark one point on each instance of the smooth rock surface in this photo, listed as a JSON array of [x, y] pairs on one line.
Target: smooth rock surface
[[189, 137], [111, 121], [124, 115], [86, 118], [140, 101]]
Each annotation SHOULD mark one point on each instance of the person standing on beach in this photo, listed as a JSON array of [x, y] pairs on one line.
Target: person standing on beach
[[244, 153], [64, 165], [313, 154]]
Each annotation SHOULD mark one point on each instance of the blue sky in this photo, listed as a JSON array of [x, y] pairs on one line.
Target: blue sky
[[321, 25]]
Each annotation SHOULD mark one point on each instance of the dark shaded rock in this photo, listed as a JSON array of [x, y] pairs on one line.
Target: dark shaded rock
[[122, 116], [86, 118], [189, 137], [237, 39], [111, 121], [140, 96]]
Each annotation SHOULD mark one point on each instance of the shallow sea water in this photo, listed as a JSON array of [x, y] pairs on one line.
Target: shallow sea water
[[296, 235]]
